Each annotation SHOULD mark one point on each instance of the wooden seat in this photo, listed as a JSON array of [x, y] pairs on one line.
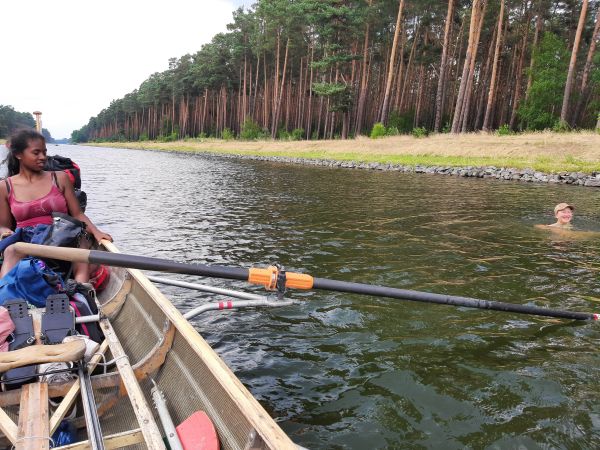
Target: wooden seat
[[33, 431], [41, 354]]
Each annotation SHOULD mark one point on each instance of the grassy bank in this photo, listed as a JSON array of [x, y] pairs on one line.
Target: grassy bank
[[547, 152]]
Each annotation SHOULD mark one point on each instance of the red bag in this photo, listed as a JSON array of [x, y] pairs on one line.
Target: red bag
[[99, 278], [7, 326]]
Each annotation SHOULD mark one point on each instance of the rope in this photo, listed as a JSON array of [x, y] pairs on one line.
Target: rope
[[25, 438]]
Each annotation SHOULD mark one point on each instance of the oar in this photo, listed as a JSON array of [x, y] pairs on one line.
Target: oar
[[272, 278]]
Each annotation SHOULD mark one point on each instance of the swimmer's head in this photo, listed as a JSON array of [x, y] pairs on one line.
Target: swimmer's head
[[563, 213], [562, 206]]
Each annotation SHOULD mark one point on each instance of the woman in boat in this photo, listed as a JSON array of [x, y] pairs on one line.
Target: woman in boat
[[29, 196]]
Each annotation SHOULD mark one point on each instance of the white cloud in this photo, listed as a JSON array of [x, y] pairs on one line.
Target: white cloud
[[70, 59]]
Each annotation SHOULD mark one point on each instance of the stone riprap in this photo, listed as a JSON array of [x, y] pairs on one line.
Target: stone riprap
[[499, 173]]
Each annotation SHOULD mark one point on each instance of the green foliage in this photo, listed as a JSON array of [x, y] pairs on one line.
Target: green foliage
[[378, 131], [227, 134], [11, 120], [252, 130], [447, 127], [144, 137], [419, 132], [504, 130], [560, 126], [402, 122], [339, 94], [169, 137], [542, 107], [167, 126], [322, 40], [297, 134]]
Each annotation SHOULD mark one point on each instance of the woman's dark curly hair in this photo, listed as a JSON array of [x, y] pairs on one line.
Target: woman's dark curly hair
[[17, 143]]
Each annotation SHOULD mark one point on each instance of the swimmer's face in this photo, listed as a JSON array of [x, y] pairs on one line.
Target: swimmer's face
[[564, 216]]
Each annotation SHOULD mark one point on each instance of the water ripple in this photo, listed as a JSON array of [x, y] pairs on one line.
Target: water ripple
[[343, 371]]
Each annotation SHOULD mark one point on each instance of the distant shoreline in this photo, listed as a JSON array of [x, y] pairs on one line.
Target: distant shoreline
[[563, 158]]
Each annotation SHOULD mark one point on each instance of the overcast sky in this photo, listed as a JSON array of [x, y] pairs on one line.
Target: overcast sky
[[70, 58]]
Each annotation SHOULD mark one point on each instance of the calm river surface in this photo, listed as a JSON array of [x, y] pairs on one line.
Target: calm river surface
[[341, 371]]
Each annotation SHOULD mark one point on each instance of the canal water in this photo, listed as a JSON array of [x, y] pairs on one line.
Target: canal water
[[340, 371]]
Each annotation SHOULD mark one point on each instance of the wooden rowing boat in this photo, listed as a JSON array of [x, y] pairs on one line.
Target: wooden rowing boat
[[150, 342]]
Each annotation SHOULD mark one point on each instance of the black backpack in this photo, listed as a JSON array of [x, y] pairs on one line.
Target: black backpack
[[57, 163]]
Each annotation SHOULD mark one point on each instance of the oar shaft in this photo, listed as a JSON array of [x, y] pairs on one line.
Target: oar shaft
[[270, 278], [130, 261], [165, 265], [426, 297]]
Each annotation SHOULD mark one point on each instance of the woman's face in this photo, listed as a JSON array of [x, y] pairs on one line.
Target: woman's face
[[34, 156], [564, 216]]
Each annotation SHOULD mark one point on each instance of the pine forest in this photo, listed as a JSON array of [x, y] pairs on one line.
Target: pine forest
[[329, 69]]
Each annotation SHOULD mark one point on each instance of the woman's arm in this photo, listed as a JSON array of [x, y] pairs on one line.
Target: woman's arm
[[6, 217], [75, 209]]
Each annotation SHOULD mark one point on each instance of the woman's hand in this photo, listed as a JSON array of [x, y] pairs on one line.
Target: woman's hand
[[99, 235], [6, 234]]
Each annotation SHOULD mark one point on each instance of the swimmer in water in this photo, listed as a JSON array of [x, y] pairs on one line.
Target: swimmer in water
[[564, 214]]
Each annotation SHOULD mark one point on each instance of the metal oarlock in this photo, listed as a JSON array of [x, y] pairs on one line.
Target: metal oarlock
[[236, 305], [250, 300], [205, 288]]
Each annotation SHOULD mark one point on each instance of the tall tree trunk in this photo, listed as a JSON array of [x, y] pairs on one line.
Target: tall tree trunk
[[265, 120], [399, 79], [469, 92], [279, 91], [583, 91], [420, 91], [564, 112], [484, 83], [407, 78], [363, 81], [244, 97], [519, 75], [310, 96], [390, 76], [539, 21], [458, 110], [439, 98], [492, 91]]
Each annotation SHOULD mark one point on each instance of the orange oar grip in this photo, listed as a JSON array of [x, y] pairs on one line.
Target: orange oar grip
[[298, 280], [267, 277]]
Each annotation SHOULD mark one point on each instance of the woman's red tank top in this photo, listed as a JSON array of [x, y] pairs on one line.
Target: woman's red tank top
[[38, 211]]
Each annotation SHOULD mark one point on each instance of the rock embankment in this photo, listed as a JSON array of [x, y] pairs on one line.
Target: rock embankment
[[499, 173]]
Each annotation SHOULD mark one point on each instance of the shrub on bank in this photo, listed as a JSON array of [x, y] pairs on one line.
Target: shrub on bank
[[504, 130], [227, 134], [560, 126], [297, 134], [403, 123], [420, 132], [378, 131], [252, 131], [174, 136]]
